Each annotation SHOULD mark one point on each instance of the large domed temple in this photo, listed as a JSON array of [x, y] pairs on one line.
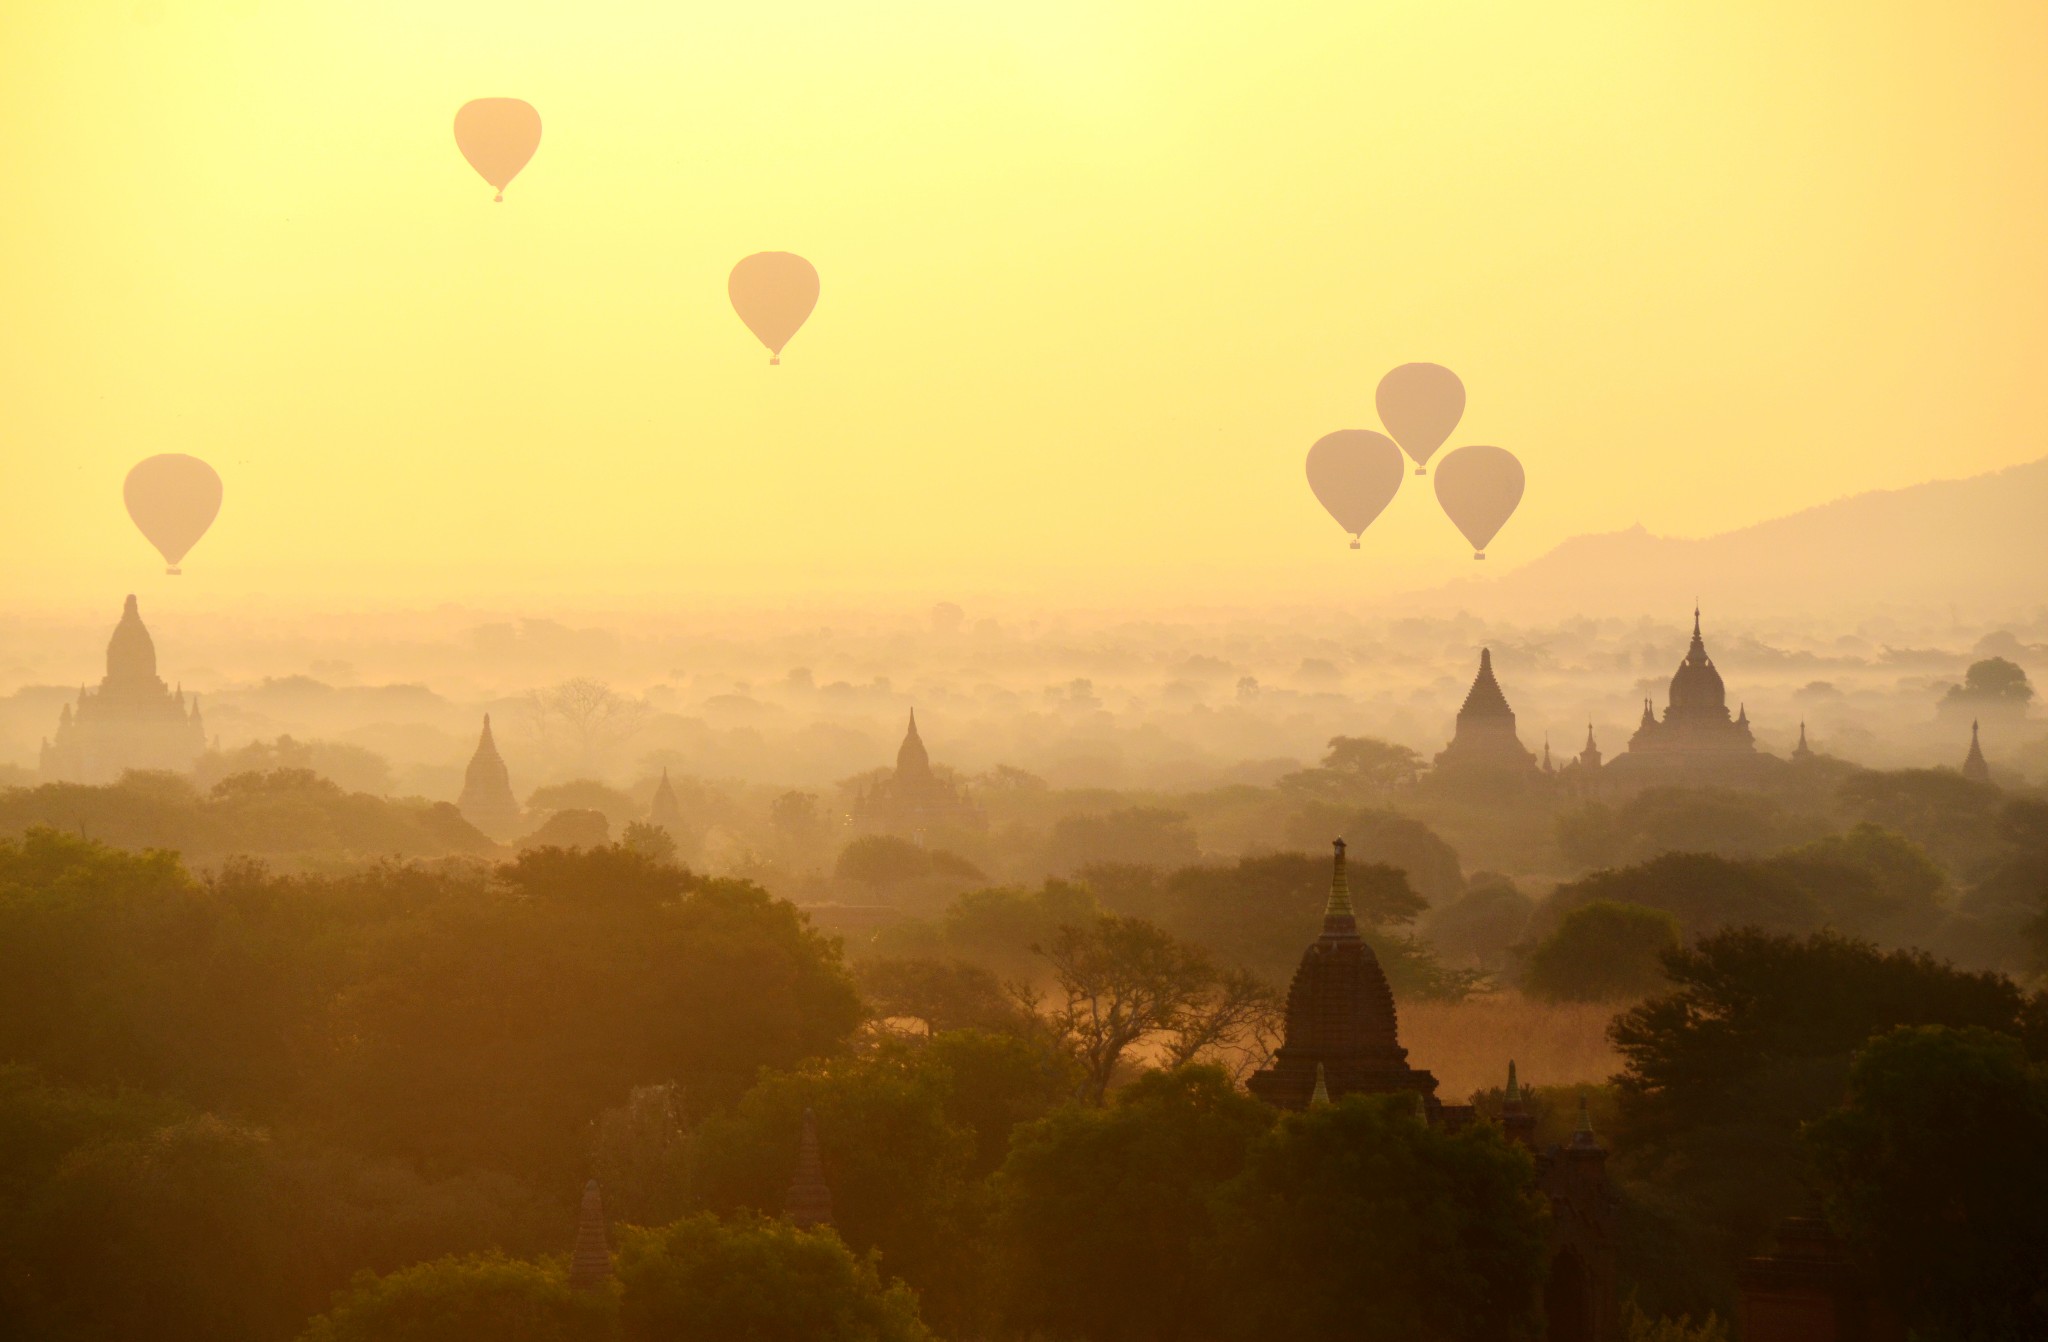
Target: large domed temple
[[132, 721], [1696, 738]]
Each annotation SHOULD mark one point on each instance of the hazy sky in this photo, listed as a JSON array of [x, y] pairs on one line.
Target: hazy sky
[[1095, 275]]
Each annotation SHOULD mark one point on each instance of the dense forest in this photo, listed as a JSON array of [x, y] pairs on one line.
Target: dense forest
[[346, 1095]]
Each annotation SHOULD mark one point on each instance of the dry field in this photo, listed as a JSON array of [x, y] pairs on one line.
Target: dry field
[[1468, 1044]]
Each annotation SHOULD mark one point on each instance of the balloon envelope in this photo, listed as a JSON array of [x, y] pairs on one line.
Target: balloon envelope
[[1354, 473], [1479, 488], [173, 500], [497, 136], [774, 293], [1420, 403]]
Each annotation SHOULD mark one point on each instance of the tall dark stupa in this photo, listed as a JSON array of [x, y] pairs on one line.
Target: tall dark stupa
[[1340, 1020]]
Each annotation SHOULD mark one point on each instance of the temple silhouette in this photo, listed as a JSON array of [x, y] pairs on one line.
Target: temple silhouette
[[914, 799], [1342, 1038], [1484, 751], [487, 801], [132, 721]]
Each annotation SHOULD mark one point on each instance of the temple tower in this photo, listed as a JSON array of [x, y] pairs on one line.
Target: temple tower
[[1806, 1290], [1341, 1027], [666, 812], [1484, 745], [1974, 767], [808, 1202], [590, 1265], [487, 801], [131, 721]]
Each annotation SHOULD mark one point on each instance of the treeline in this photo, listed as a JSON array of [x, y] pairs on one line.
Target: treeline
[[223, 1098]]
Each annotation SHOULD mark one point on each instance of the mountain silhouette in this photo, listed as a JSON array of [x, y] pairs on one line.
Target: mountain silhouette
[[1972, 543]]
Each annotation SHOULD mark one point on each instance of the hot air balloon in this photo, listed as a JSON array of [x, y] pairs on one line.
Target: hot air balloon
[[1420, 403], [774, 293], [1354, 473], [1479, 488], [497, 136], [173, 499]]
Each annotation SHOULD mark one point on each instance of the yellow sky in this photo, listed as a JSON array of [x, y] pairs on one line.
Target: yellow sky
[[1095, 275]]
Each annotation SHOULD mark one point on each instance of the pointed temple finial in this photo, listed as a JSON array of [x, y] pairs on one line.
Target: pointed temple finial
[[1975, 768], [809, 1201], [1582, 1136], [1320, 1097], [1338, 918], [1514, 1091], [591, 1263]]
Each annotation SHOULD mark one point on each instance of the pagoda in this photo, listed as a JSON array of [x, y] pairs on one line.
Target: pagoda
[[131, 721], [1696, 738], [809, 1202], [1974, 767], [915, 798], [487, 801], [1484, 746], [1340, 1032]]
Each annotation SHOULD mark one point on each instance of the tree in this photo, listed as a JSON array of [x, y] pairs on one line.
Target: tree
[[1601, 952], [701, 1280], [1378, 836], [1359, 1219], [587, 794], [1704, 892], [1356, 767], [1954, 819], [1658, 820], [940, 995], [467, 1298], [1992, 684], [1141, 834], [649, 841], [905, 1133], [1118, 981], [585, 718], [1937, 1169], [1106, 1215], [1754, 1038]]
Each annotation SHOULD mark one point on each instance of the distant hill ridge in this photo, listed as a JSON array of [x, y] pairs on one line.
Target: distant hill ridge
[[1975, 542]]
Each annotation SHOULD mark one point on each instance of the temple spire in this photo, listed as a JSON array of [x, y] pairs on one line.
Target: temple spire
[[1974, 766], [808, 1202], [1321, 1095], [1338, 918], [591, 1263]]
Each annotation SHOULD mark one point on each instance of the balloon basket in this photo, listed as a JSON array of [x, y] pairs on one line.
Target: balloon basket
[[775, 362], [1420, 470], [1479, 554], [174, 571], [1354, 545], [498, 199]]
